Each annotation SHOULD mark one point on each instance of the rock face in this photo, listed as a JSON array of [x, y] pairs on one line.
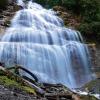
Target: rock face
[[6, 16], [69, 19], [95, 58], [98, 56], [98, 61], [10, 1], [92, 49], [6, 94]]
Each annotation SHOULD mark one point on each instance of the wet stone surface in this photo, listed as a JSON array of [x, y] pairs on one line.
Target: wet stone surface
[[6, 94]]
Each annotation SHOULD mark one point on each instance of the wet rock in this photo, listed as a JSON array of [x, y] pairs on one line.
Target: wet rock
[[95, 55], [1, 22], [10, 8], [59, 8], [92, 49], [17, 7], [2, 16], [57, 92], [6, 94], [93, 87], [2, 29], [5, 23], [7, 13], [69, 19]]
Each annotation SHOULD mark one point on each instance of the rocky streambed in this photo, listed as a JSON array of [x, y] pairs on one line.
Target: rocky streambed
[[14, 87], [13, 94]]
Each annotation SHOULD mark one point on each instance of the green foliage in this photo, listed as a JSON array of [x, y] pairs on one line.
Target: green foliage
[[83, 7], [90, 29], [72, 5], [8, 82], [95, 27], [29, 90], [49, 3], [93, 85], [84, 28], [88, 10], [3, 4]]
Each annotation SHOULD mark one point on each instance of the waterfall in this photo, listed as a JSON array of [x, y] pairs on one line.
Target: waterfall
[[20, 3], [38, 41]]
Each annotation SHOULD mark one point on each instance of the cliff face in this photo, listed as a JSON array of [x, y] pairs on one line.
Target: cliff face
[[70, 19], [98, 60], [98, 55]]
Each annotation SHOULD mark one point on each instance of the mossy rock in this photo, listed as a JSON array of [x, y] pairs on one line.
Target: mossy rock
[[88, 97], [29, 90], [12, 83], [93, 86]]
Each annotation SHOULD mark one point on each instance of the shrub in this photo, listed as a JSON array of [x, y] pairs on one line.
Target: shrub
[[49, 3], [84, 28], [95, 27], [90, 28], [87, 8]]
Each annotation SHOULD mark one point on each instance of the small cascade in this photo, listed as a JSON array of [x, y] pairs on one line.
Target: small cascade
[[38, 40], [20, 3]]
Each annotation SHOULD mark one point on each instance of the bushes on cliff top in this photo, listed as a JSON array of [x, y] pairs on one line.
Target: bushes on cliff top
[[88, 10], [90, 29]]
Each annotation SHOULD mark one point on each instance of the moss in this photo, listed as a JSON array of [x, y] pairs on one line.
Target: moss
[[29, 90], [2, 72], [92, 83], [7, 82], [88, 98], [10, 82]]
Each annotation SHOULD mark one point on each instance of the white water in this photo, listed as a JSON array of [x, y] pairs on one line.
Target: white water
[[38, 40], [86, 93]]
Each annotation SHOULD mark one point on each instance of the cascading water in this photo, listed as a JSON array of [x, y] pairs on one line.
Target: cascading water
[[38, 40]]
